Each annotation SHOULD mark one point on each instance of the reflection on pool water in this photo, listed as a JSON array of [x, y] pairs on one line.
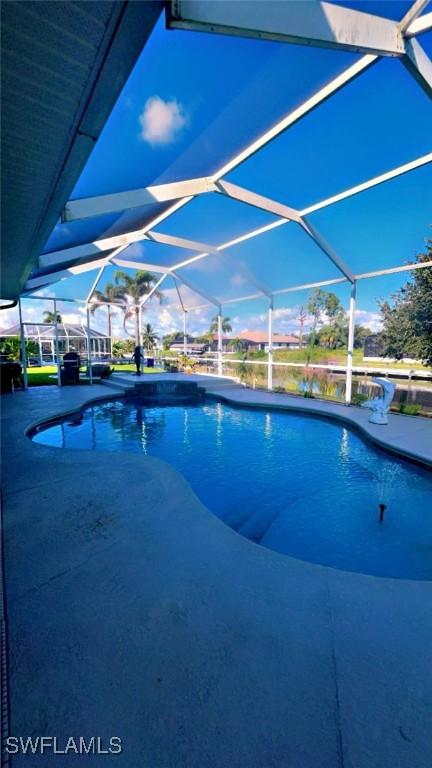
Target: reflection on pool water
[[298, 485]]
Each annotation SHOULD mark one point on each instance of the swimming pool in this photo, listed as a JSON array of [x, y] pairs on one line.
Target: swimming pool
[[303, 486]]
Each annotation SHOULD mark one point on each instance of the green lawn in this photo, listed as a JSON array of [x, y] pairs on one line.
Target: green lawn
[[39, 377], [326, 356]]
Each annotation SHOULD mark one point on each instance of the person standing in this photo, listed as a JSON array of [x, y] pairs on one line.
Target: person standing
[[138, 356]]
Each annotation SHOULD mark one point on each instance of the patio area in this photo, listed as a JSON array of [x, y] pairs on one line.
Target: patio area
[[142, 616]]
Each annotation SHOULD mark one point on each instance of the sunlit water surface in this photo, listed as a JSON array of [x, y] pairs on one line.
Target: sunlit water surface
[[301, 486]]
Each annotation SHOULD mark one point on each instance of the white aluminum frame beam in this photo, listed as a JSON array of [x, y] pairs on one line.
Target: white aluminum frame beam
[[420, 25], [61, 274], [334, 281], [113, 203], [257, 201], [324, 25], [57, 258], [87, 207], [351, 329], [129, 264], [325, 248], [180, 242], [375, 181], [413, 12], [394, 270], [179, 294], [104, 244], [365, 185], [153, 290], [419, 65], [33, 283], [199, 291]]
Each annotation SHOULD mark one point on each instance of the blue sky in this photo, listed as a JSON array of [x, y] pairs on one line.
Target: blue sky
[[194, 100]]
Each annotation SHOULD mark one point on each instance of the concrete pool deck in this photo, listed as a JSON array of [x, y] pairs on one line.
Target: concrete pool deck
[[134, 612]]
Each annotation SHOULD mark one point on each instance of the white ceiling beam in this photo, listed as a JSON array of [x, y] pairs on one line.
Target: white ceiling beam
[[130, 264], [135, 198], [250, 297], [179, 294], [326, 248], [86, 207], [334, 281], [100, 273], [153, 290], [309, 286], [199, 291], [180, 242], [61, 274], [420, 25], [246, 273], [77, 251], [413, 12], [395, 270], [296, 114], [419, 65], [257, 201], [104, 244], [383, 177], [322, 24]]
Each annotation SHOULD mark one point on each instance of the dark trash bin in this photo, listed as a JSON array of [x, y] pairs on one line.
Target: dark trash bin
[[150, 362], [69, 372], [10, 376]]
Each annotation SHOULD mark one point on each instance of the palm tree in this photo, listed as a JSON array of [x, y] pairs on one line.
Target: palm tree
[[104, 298], [50, 317], [149, 337], [130, 291], [226, 325]]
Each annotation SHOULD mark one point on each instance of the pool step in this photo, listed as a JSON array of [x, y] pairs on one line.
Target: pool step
[[166, 389], [119, 385]]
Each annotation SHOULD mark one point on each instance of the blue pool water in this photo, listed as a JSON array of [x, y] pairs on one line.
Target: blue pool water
[[298, 485]]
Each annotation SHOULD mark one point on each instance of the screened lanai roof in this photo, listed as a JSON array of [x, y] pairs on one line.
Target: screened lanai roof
[[258, 148], [45, 331]]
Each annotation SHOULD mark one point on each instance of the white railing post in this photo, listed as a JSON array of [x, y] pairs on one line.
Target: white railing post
[[270, 347], [89, 354], [351, 325], [219, 342], [57, 347], [140, 333], [184, 333], [23, 347]]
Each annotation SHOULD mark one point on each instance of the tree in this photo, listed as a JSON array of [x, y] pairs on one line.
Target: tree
[[360, 335], [407, 321], [104, 298], [226, 325], [237, 344], [49, 317], [302, 315], [172, 338], [323, 305], [10, 346], [131, 291], [123, 347], [149, 337]]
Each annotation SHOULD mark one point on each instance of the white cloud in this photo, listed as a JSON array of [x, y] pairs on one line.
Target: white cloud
[[237, 280], [371, 320], [161, 121]]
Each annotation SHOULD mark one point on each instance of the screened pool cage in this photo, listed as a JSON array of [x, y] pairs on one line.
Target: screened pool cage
[[52, 339], [135, 216]]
